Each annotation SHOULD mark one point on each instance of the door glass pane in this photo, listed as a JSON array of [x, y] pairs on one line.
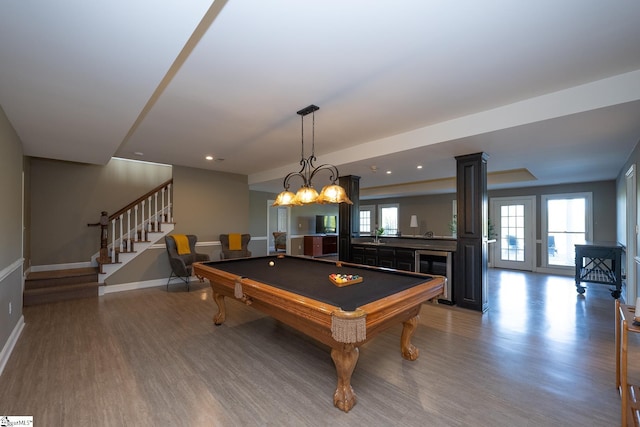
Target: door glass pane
[[566, 227], [512, 232]]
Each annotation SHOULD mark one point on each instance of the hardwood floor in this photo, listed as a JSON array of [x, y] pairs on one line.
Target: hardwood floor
[[541, 356]]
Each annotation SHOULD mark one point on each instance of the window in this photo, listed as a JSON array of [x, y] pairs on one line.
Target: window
[[566, 222], [388, 219], [367, 219]]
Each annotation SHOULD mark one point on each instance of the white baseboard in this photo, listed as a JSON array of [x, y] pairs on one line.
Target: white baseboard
[[11, 343], [556, 271], [109, 289]]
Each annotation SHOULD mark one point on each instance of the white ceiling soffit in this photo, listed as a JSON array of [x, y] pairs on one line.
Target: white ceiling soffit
[[80, 72]]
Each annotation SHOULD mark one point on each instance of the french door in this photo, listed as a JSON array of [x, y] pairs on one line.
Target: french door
[[514, 220], [566, 221]]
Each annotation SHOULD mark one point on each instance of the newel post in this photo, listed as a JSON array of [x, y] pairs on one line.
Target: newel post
[[104, 237]]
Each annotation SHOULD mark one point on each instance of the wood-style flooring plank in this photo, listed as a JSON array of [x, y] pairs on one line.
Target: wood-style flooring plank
[[541, 356]]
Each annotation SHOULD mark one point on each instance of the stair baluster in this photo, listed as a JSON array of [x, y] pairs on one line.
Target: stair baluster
[[123, 238]]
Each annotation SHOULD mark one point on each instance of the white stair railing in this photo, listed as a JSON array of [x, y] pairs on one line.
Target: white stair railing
[[125, 231]]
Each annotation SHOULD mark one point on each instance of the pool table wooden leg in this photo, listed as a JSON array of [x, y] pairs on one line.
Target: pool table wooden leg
[[409, 351], [220, 316], [345, 359]]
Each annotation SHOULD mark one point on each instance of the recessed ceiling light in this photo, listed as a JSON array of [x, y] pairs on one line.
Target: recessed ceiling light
[[388, 172], [209, 157], [419, 166]]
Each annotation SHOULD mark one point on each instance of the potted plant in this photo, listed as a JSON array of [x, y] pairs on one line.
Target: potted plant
[[453, 225], [379, 231]]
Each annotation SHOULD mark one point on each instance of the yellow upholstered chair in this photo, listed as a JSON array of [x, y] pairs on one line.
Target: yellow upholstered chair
[[181, 249], [235, 246]]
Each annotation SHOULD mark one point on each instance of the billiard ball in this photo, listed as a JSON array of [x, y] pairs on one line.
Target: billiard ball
[[271, 263]]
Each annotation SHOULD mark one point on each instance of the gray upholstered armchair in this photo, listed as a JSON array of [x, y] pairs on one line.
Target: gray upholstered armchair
[[181, 263], [241, 252], [280, 240]]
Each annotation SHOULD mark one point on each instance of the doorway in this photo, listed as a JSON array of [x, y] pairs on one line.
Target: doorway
[[515, 231], [278, 218], [566, 221]]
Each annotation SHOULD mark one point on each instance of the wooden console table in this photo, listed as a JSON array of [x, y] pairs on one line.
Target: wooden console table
[[629, 393], [592, 265]]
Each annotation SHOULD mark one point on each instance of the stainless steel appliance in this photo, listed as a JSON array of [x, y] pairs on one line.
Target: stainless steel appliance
[[440, 263]]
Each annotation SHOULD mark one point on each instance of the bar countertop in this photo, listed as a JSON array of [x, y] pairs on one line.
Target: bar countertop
[[438, 243]]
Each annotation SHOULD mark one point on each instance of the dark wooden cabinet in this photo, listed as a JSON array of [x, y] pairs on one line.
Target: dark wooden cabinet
[[383, 256], [405, 259], [313, 245], [386, 257], [357, 254], [348, 216], [329, 245], [371, 256], [320, 245]]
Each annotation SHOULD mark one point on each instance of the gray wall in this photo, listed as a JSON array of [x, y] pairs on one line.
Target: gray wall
[[604, 204], [70, 195], [11, 167], [66, 196], [433, 212], [205, 203]]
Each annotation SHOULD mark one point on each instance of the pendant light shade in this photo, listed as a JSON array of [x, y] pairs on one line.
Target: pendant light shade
[[333, 193], [306, 195]]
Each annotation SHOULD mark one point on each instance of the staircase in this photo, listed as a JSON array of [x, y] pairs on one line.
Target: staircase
[[131, 249], [124, 235]]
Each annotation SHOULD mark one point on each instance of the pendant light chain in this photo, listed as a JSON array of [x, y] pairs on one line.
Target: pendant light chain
[[302, 137], [313, 135]]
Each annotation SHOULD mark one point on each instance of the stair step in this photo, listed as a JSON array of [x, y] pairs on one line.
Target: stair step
[[49, 294], [53, 278]]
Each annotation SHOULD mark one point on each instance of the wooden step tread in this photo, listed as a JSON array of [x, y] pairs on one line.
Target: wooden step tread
[[61, 288], [47, 279], [54, 274]]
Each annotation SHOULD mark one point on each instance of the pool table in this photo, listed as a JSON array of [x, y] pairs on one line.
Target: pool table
[[298, 292]]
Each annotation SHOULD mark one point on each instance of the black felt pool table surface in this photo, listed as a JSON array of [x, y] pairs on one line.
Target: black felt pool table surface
[[310, 278]]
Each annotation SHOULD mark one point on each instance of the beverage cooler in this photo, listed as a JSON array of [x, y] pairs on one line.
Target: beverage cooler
[[439, 263]]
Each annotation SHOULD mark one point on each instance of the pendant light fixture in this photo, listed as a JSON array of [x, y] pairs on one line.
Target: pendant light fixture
[[332, 193]]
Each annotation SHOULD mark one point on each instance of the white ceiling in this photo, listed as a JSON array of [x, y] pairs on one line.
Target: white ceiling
[[552, 87]]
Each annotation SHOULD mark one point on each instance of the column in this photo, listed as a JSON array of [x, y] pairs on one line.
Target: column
[[348, 216], [470, 278]]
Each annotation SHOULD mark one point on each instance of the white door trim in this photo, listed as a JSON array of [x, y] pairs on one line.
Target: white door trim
[[530, 262]]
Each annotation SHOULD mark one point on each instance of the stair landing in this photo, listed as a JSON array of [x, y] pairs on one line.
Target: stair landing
[[42, 287]]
